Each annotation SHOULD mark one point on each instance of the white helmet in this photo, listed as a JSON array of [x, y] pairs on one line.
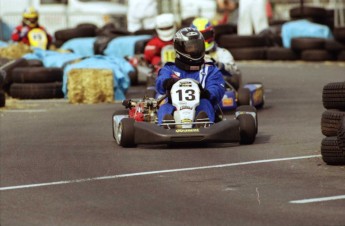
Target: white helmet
[[165, 26]]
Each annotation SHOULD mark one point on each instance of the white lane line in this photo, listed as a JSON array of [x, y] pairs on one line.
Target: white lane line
[[323, 199], [26, 111], [154, 172]]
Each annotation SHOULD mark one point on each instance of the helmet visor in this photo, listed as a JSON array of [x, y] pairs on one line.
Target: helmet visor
[[208, 35], [195, 49]]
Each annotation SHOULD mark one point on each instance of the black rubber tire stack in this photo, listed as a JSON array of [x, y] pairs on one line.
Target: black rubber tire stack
[[339, 36], [244, 47], [333, 123], [36, 83], [82, 30]]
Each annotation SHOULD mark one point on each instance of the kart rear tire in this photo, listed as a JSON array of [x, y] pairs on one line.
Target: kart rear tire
[[126, 130], [119, 112], [333, 95], [244, 96], [248, 108], [247, 129]]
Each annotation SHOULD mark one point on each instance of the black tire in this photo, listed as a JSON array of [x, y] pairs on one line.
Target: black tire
[[334, 46], [36, 90], [339, 34], [118, 112], [70, 33], [280, 53], [258, 53], [2, 99], [37, 75], [243, 96], [341, 56], [101, 44], [307, 12], [247, 129], [240, 41], [139, 46], [35, 63], [235, 80], [127, 132], [333, 95], [330, 122], [331, 153], [317, 55], [133, 76], [341, 135], [248, 108], [145, 32], [224, 29], [7, 71], [300, 44]]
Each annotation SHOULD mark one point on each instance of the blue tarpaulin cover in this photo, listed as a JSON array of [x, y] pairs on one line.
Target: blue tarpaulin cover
[[124, 46], [81, 46], [303, 28]]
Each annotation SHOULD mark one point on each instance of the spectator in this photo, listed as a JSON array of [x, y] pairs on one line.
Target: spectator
[[21, 33], [222, 57], [166, 29], [141, 14], [227, 7], [252, 15], [189, 63]]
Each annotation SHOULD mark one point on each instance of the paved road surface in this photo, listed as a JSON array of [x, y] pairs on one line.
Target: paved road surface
[[60, 165]]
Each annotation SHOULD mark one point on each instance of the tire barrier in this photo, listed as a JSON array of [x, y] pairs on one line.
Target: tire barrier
[[333, 124]]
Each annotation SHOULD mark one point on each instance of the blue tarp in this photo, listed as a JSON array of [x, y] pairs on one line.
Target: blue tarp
[[81, 46], [124, 46], [3, 44], [303, 28], [52, 58], [118, 65]]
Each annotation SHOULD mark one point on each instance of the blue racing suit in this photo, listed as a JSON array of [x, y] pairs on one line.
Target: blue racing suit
[[210, 79]]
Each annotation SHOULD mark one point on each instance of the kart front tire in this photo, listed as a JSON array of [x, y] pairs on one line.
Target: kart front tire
[[247, 129], [244, 96], [125, 133], [248, 108]]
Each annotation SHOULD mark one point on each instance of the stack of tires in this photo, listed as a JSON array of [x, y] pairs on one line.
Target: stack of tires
[[244, 47], [36, 83], [3, 61], [81, 31], [333, 124]]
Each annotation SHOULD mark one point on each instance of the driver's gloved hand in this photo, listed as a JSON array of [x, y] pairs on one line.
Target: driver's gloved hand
[[168, 83], [24, 32], [204, 93]]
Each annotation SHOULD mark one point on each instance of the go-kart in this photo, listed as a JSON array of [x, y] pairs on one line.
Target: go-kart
[[250, 94], [138, 125]]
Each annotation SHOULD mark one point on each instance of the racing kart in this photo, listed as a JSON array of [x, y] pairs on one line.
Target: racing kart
[[138, 125], [250, 94]]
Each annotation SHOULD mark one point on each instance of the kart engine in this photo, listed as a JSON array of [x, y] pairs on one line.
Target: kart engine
[[142, 109]]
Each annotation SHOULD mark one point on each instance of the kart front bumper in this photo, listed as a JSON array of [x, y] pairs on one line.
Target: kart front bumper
[[226, 131]]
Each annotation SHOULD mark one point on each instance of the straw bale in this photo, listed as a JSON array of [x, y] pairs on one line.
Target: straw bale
[[90, 86], [15, 50]]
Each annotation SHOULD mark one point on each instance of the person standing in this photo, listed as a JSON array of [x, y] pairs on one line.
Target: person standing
[[141, 14], [252, 17]]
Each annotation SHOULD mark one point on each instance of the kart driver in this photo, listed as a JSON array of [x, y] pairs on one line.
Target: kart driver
[[189, 63], [222, 57], [29, 22], [165, 28]]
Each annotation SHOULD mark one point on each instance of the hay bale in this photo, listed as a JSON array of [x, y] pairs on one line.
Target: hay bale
[[15, 50], [90, 86]]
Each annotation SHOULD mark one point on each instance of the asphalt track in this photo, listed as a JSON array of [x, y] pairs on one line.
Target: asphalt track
[[60, 165]]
